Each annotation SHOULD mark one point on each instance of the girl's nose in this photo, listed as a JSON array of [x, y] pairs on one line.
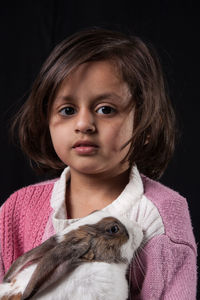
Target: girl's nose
[[85, 122]]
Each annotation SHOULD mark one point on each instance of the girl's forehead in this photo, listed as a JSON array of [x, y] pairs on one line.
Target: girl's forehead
[[98, 77], [105, 71]]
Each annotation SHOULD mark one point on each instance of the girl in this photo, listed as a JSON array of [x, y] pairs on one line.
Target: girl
[[98, 112]]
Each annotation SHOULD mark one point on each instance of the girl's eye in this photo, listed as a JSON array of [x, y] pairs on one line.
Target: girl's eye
[[106, 110], [67, 111]]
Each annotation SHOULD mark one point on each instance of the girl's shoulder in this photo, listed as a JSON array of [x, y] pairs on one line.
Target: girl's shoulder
[[159, 191], [28, 193], [173, 209], [28, 203], [29, 198]]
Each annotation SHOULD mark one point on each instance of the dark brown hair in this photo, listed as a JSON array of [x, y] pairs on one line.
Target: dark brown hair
[[153, 138]]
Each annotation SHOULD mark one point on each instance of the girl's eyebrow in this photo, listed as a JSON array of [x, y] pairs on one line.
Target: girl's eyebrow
[[65, 98], [113, 96], [69, 98]]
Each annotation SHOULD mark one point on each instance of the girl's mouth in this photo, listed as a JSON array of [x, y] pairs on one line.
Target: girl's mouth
[[85, 148]]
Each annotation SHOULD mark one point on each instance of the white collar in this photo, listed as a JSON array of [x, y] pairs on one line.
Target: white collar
[[122, 205]]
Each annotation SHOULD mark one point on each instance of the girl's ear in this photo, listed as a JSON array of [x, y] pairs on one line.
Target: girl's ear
[[29, 257], [59, 261]]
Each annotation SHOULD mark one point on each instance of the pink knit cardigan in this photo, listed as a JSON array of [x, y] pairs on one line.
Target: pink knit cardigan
[[167, 268]]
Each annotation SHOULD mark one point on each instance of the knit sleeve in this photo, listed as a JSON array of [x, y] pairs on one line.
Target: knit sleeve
[[2, 269], [23, 219], [164, 270]]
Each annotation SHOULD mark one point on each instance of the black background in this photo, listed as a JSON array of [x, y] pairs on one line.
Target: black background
[[30, 29]]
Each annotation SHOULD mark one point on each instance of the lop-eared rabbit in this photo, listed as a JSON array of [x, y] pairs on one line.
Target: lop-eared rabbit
[[88, 260]]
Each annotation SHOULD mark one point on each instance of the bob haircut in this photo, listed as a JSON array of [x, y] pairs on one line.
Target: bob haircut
[[152, 142]]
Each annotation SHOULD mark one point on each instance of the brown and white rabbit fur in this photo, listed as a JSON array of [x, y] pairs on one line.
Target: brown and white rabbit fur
[[87, 260]]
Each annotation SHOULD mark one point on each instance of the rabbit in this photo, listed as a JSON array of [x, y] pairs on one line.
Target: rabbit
[[87, 260]]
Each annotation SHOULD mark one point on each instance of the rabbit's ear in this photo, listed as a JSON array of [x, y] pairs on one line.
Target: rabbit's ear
[[30, 257], [59, 261]]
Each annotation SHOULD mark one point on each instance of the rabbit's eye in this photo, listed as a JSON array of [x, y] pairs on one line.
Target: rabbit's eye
[[113, 229]]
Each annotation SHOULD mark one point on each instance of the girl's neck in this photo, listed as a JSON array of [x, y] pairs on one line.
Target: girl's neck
[[86, 193]]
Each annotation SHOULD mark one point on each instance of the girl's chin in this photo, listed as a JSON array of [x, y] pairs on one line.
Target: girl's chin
[[90, 166], [96, 170], [87, 168]]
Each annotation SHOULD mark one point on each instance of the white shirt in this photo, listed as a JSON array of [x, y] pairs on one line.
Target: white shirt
[[131, 204]]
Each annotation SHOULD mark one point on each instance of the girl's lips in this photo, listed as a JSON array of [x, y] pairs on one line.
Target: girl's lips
[[84, 144], [85, 147]]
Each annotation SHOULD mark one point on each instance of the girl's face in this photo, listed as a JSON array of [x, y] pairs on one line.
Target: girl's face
[[91, 119]]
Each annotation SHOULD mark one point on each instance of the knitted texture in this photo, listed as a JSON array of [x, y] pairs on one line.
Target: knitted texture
[[23, 217], [174, 211], [165, 268]]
